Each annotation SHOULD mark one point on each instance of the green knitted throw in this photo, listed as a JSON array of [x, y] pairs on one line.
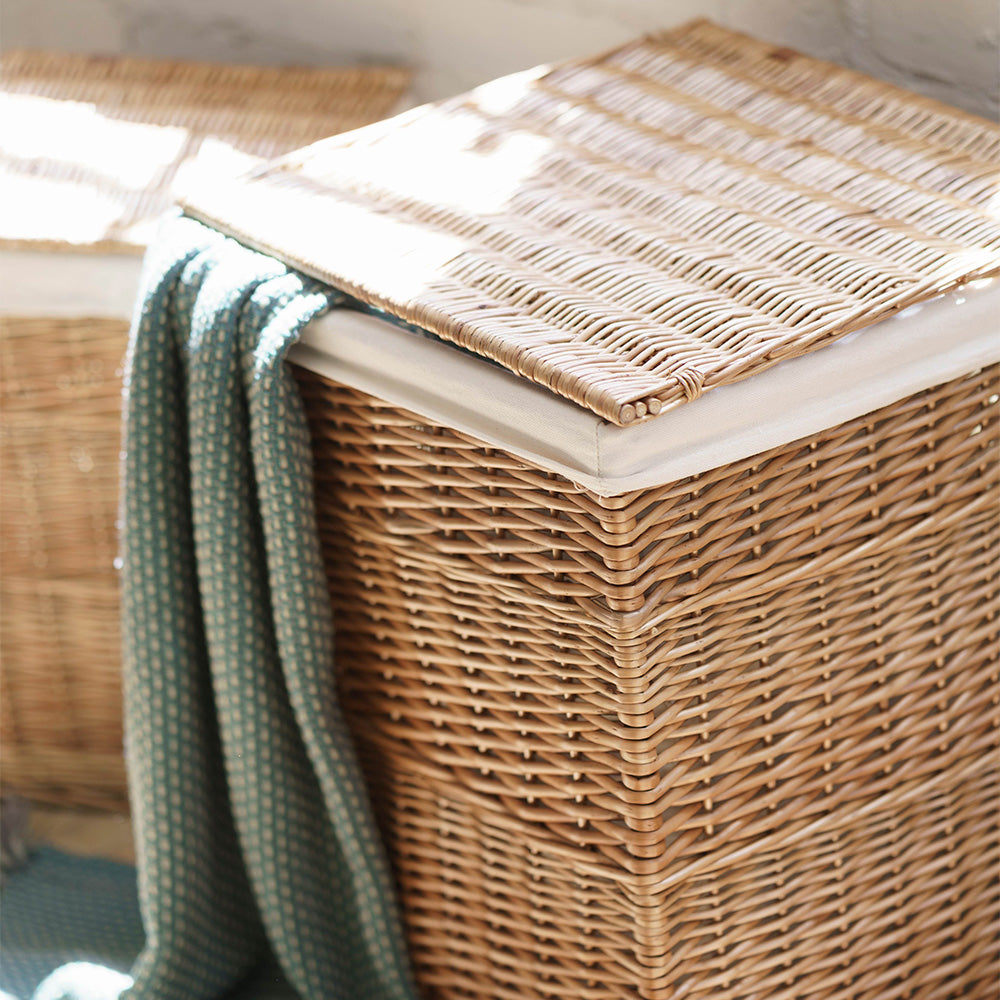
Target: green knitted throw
[[255, 834]]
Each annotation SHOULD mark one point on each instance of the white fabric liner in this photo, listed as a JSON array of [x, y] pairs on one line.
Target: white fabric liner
[[918, 348], [64, 284]]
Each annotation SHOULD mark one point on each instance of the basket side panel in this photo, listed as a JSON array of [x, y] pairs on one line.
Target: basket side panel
[[661, 703]]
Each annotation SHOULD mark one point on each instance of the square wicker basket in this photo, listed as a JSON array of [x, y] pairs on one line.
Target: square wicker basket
[[733, 737], [674, 672], [92, 152]]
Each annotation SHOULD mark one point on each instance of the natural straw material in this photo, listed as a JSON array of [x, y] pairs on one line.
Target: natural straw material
[[60, 679], [636, 229], [731, 738], [93, 149]]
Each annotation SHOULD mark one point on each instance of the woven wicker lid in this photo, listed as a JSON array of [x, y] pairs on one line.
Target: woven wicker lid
[[635, 229], [93, 149]]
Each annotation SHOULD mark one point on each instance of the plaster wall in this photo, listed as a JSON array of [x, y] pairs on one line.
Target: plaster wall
[[948, 49]]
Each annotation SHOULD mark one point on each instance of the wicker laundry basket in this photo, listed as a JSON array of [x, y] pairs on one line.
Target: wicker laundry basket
[[669, 638], [92, 151]]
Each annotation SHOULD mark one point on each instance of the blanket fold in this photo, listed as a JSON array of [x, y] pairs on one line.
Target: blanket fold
[[254, 832]]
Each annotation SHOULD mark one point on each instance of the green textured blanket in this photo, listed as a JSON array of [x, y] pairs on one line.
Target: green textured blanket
[[254, 833]]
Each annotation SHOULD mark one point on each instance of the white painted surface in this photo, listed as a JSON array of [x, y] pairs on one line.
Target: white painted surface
[[920, 347], [40, 283], [947, 49]]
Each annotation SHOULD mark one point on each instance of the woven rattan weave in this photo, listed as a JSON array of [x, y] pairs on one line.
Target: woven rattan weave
[[732, 738], [633, 230], [91, 153], [60, 685]]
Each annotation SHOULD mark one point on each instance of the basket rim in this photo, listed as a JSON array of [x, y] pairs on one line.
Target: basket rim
[[900, 356], [896, 357]]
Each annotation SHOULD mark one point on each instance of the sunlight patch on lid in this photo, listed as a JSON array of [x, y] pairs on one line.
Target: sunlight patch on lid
[[480, 175], [38, 208], [501, 96], [215, 160], [39, 130]]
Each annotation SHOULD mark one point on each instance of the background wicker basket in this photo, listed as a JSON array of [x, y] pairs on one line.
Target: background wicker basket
[[59, 635], [92, 152], [729, 736]]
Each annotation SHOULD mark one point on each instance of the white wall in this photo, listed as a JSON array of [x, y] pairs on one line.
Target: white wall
[[947, 49]]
